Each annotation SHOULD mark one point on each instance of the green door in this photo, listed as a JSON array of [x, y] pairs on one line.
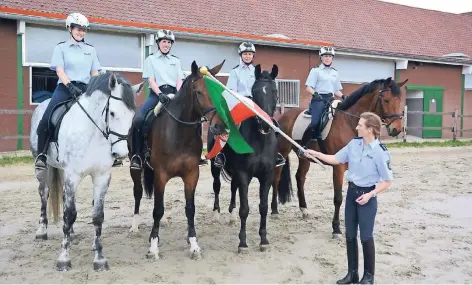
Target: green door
[[432, 102]]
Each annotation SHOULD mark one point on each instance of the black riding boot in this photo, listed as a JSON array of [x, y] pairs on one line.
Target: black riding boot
[[352, 263], [136, 147], [220, 160], [368, 248], [40, 162], [309, 134]]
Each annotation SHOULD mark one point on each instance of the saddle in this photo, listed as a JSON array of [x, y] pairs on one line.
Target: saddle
[[152, 113], [55, 119]]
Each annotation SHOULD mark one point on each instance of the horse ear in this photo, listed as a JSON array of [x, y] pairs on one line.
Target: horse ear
[[137, 88], [275, 71], [194, 68], [257, 71], [400, 84], [217, 68], [112, 81], [388, 81]]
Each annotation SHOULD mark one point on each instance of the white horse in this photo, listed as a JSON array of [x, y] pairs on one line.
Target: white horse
[[91, 136]]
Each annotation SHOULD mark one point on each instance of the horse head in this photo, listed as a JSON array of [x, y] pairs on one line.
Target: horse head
[[119, 109], [194, 87], [389, 105], [264, 92]]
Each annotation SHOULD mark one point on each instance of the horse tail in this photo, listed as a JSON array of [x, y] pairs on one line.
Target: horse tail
[[285, 184], [55, 184], [148, 179]]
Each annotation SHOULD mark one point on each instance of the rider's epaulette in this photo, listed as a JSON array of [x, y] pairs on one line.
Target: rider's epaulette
[[358, 138], [88, 44], [173, 56], [61, 42], [383, 146], [333, 68], [236, 66]]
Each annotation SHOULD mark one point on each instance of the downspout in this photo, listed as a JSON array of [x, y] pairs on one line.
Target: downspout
[[462, 103], [146, 84], [19, 86]]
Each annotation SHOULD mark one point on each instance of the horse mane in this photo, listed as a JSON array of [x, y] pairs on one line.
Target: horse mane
[[367, 89], [101, 83]]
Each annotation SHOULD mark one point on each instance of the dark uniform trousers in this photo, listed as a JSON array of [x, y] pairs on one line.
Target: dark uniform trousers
[[359, 215], [150, 103], [60, 95], [317, 106]]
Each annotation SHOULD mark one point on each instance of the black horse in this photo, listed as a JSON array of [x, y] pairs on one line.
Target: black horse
[[241, 168]]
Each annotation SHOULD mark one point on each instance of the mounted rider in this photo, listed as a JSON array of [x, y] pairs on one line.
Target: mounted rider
[[74, 61], [323, 83], [164, 74], [240, 80]]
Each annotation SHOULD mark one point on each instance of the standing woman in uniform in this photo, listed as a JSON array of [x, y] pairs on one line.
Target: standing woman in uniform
[[74, 61], [370, 173], [165, 76], [322, 83], [240, 80]]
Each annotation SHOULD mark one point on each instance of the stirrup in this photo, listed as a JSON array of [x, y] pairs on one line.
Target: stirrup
[[281, 162], [40, 164], [134, 165], [223, 158]]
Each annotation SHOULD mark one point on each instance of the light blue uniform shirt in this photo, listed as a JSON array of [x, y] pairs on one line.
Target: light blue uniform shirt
[[324, 80], [368, 166], [165, 69], [78, 60], [241, 79]]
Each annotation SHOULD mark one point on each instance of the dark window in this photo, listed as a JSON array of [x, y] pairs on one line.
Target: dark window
[[44, 81]]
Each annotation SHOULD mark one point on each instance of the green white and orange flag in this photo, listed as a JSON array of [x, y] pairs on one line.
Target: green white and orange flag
[[232, 112]]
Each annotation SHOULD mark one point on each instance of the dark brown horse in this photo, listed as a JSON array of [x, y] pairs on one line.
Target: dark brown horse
[[176, 146], [382, 97]]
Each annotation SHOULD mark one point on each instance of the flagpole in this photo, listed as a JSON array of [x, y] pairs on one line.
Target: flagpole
[[205, 71]]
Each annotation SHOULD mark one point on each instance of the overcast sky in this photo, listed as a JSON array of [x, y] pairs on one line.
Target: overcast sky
[[451, 6]]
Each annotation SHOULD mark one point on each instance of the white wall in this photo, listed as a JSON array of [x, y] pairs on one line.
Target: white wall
[[362, 70]]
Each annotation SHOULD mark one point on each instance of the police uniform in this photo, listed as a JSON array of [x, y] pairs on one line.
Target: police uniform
[[241, 79], [367, 166], [325, 82], [78, 59]]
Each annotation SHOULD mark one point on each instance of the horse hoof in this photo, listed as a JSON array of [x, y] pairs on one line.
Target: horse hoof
[[337, 236], [100, 265], [63, 265], [195, 255], [264, 247], [153, 255], [275, 216], [305, 214], [41, 236], [243, 250], [133, 229]]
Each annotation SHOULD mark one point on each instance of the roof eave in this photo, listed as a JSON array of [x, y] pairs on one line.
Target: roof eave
[[401, 56]]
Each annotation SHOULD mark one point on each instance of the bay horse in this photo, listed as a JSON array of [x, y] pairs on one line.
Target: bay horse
[[381, 96], [242, 168], [176, 146], [90, 133]]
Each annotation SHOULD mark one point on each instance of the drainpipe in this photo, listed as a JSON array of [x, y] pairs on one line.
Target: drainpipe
[[20, 30]]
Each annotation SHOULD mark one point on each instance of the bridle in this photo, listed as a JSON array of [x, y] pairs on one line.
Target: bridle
[[203, 112], [107, 131], [257, 118], [384, 115]]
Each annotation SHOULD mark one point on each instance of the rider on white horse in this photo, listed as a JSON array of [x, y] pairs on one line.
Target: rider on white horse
[[240, 80], [74, 61]]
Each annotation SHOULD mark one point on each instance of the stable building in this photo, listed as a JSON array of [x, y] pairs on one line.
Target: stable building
[[397, 43]]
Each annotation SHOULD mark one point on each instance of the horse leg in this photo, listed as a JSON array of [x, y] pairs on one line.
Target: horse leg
[[190, 183], [69, 217], [215, 172], [232, 204], [275, 189], [138, 195], [303, 167], [264, 188], [101, 183], [157, 213], [338, 177], [42, 232], [243, 183]]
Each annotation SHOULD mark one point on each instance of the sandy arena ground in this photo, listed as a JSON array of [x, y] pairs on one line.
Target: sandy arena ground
[[423, 231]]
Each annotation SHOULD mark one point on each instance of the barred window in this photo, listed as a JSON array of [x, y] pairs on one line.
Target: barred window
[[289, 92]]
